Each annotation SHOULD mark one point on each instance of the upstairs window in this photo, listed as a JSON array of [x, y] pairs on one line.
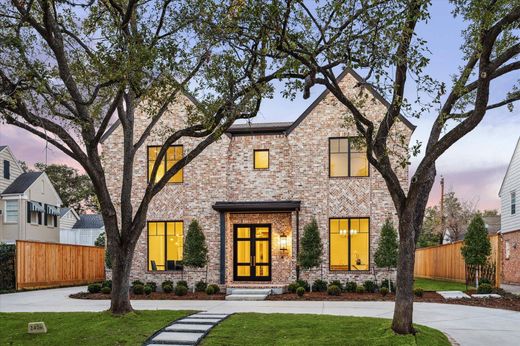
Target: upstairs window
[[261, 159], [11, 211], [7, 169], [513, 202], [347, 158], [165, 245], [173, 155]]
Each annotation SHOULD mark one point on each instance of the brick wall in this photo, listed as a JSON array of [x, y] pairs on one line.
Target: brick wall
[[511, 265]]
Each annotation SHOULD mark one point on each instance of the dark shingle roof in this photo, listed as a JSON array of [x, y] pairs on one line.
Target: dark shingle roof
[[64, 211], [254, 128], [22, 183], [2, 147], [89, 221]]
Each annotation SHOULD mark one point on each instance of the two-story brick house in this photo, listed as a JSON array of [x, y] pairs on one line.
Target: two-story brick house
[[253, 191]]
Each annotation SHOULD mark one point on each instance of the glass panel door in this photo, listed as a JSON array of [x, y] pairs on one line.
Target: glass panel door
[[252, 253]]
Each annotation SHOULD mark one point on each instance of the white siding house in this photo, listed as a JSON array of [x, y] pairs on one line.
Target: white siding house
[[85, 230], [510, 194]]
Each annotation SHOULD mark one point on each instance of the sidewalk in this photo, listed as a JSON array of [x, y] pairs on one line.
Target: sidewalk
[[466, 324]]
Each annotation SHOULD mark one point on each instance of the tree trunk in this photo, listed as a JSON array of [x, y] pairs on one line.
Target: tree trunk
[[121, 265], [403, 312]]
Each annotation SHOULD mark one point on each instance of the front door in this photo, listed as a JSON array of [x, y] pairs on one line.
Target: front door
[[252, 252]]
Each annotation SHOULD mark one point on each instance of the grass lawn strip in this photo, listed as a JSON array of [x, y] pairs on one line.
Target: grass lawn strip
[[439, 285], [85, 328], [302, 329]]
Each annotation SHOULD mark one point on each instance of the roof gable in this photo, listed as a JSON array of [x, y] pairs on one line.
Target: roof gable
[[22, 183], [6, 147], [89, 221], [516, 154]]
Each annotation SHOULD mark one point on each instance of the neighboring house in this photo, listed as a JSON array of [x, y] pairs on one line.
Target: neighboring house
[[510, 223], [85, 230], [492, 224], [68, 218], [253, 191], [29, 204]]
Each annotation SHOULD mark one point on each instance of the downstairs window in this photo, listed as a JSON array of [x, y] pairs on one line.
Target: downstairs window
[[349, 244], [165, 245]]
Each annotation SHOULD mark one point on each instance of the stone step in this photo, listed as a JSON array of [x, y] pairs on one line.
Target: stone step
[[248, 291], [184, 327], [209, 316], [189, 320], [178, 338], [249, 297]]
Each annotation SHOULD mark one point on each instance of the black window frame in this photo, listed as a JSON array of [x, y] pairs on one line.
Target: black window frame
[[165, 162], [513, 202], [349, 270], [177, 267], [349, 159], [7, 169], [268, 159]]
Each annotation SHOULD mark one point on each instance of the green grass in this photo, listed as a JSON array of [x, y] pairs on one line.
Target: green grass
[[84, 328], [292, 329], [438, 285]]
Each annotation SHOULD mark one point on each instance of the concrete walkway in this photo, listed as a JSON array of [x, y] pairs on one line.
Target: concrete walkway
[[467, 325]]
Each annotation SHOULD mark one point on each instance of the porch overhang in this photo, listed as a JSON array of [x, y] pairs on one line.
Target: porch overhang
[[252, 206]]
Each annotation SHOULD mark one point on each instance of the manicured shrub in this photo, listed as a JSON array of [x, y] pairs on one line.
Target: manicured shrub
[[292, 287], [484, 289], [137, 282], [138, 289], [300, 291], [333, 290], [350, 286], [319, 286], [310, 255], [182, 283], [106, 290], [484, 281], [370, 286], [147, 289], [107, 283], [216, 288], [360, 289], [419, 292], [167, 288], [94, 288], [304, 284], [181, 290], [383, 291], [201, 286], [167, 282], [152, 285], [210, 290], [384, 283], [337, 283]]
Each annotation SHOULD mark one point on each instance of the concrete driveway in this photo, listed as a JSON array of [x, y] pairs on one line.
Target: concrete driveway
[[467, 325]]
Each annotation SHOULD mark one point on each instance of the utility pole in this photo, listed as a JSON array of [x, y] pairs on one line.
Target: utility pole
[[443, 230]]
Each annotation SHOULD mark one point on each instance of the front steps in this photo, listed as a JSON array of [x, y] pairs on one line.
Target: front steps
[[249, 294]]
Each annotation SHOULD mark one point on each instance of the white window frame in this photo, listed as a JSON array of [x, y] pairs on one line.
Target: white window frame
[[17, 204]]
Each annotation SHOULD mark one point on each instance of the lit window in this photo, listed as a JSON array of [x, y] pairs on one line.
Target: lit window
[[349, 244], [11, 211], [165, 245], [261, 159], [513, 203], [173, 155], [347, 158]]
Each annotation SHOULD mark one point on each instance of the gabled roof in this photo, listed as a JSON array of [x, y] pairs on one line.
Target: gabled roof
[[6, 147], [64, 211], [2, 147], [89, 221], [517, 149], [286, 127], [22, 183]]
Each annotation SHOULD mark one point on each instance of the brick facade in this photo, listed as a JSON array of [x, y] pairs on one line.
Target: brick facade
[[511, 260], [298, 171]]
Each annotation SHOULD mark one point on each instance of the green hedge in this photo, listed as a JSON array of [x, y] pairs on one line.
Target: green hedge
[[7, 267]]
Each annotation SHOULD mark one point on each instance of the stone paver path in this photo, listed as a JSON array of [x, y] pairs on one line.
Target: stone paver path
[[453, 294], [189, 330]]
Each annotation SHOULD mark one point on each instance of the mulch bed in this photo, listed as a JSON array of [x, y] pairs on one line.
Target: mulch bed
[[152, 296], [507, 302]]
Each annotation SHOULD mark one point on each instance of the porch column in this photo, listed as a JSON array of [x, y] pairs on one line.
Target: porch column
[[222, 247]]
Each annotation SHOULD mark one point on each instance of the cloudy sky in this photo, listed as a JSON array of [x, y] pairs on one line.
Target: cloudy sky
[[473, 168]]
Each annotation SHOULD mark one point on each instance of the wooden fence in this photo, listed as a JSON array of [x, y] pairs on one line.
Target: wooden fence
[[445, 262], [40, 265]]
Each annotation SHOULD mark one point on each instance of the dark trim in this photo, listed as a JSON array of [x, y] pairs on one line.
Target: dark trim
[[258, 129], [222, 248], [348, 161], [297, 243], [165, 247], [257, 206], [252, 243], [254, 159], [165, 163], [7, 169], [324, 94], [349, 243]]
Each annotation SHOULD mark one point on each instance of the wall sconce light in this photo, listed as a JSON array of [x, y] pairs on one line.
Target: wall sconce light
[[283, 242]]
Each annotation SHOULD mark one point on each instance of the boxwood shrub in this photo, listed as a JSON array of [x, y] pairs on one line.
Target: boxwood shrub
[[351, 286], [484, 289], [94, 288], [106, 290], [181, 290], [319, 286], [138, 289], [334, 290], [300, 291], [201, 286], [148, 289], [167, 288]]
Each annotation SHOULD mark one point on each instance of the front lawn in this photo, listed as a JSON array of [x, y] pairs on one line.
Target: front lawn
[[84, 328], [439, 285], [292, 329]]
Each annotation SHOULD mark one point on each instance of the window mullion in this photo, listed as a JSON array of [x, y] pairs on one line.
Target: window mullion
[[349, 245]]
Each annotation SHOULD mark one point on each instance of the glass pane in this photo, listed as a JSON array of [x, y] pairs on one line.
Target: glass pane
[[152, 153], [261, 159], [243, 232], [170, 154], [359, 237], [358, 165], [175, 241], [179, 152], [262, 232], [262, 271], [155, 247], [343, 145], [338, 244], [334, 145], [243, 251], [338, 165], [173, 155], [262, 252], [243, 271]]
